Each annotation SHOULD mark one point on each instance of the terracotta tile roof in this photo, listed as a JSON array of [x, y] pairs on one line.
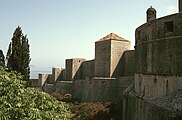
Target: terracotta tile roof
[[113, 36]]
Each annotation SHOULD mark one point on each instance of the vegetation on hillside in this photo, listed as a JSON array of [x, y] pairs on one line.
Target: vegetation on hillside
[[18, 102], [18, 55]]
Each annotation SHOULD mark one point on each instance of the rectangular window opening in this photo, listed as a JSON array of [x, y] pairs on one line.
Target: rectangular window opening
[[168, 26]]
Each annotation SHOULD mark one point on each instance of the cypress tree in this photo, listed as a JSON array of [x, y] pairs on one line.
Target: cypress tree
[[25, 69], [18, 55], [8, 57], [2, 61]]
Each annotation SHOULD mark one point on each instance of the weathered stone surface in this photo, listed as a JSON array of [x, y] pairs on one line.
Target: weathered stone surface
[[138, 109], [87, 69], [158, 51], [73, 68], [155, 86], [108, 52], [159, 56], [126, 65], [171, 102], [64, 87], [151, 14]]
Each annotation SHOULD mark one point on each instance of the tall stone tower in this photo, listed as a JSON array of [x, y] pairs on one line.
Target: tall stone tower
[[180, 5], [108, 52], [151, 14], [158, 56]]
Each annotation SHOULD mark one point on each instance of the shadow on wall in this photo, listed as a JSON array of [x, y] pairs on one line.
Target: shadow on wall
[[78, 73], [86, 69], [61, 76], [126, 65]]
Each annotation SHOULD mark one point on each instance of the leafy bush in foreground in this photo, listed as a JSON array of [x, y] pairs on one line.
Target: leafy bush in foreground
[[18, 102], [90, 111]]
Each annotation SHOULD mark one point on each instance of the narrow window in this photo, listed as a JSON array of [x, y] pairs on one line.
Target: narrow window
[[139, 35], [168, 26]]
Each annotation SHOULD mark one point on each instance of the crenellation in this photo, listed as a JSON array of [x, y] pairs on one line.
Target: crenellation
[[56, 72], [73, 68]]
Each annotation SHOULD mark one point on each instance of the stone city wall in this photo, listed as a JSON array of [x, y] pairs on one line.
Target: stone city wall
[[118, 47], [96, 89], [49, 88], [73, 68], [87, 69], [42, 79], [56, 72], [121, 84], [79, 89], [138, 109], [99, 90], [64, 87], [126, 65], [155, 86]]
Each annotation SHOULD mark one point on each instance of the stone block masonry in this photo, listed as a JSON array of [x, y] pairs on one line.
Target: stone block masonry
[[108, 52], [73, 68]]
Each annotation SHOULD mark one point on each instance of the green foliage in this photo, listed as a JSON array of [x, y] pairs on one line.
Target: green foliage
[[25, 69], [91, 111], [18, 102], [18, 55]]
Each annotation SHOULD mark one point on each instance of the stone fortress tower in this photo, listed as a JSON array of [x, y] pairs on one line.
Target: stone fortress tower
[[158, 55], [108, 52]]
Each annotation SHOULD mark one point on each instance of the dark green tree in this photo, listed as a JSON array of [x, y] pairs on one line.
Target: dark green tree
[[8, 57], [18, 55], [25, 69], [2, 61]]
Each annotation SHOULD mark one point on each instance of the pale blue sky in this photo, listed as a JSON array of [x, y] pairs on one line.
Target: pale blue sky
[[60, 29]]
